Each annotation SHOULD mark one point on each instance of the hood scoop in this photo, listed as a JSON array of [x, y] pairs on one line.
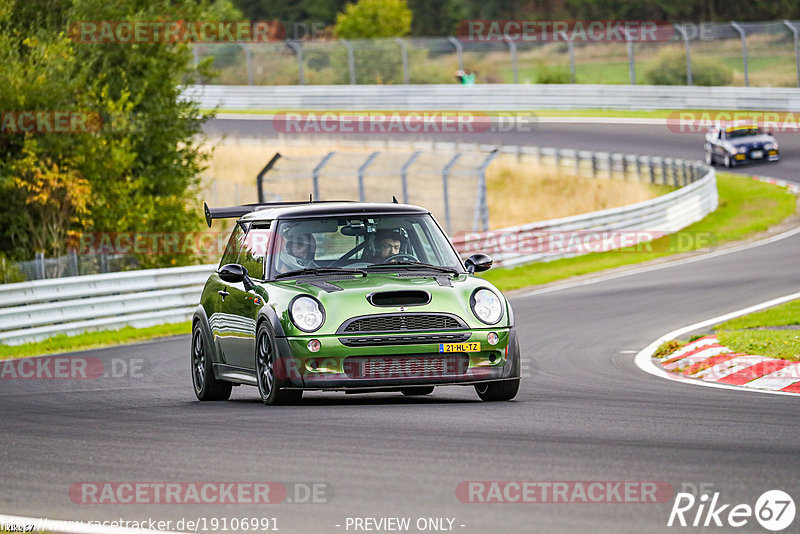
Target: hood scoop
[[399, 298]]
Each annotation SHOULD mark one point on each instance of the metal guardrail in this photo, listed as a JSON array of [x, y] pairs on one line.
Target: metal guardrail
[[32, 311], [495, 97], [656, 217]]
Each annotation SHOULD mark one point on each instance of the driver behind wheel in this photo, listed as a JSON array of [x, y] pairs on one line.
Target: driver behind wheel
[[387, 243], [298, 252]]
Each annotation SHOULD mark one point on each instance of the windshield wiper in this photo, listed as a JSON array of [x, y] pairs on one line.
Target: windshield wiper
[[321, 270], [415, 264]]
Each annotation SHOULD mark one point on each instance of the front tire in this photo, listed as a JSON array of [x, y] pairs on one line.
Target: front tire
[[709, 158], [270, 374], [728, 161], [206, 385], [502, 390]]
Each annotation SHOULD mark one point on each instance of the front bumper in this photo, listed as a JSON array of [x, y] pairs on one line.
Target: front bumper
[[748, 157], [340, 365]]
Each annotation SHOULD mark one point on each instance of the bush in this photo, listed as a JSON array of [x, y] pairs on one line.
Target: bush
[[552, 74], [670, 69]]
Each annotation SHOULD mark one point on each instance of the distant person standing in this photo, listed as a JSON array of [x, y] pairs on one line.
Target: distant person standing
[[465, 77]]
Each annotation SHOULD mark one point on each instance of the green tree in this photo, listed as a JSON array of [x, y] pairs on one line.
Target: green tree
[[370, 19], [139, 170]]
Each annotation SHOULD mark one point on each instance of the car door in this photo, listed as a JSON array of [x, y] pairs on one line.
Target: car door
[[238, 309], [719, 145]]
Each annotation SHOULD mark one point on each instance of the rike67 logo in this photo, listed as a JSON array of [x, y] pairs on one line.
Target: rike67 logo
[[774, 510]]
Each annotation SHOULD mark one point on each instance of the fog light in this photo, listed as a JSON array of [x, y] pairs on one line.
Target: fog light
[[492, 358], [492, 338], [314, 345], [312, 364]]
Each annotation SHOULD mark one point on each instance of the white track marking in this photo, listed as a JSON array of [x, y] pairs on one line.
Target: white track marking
[[644, 360], [631, 272]]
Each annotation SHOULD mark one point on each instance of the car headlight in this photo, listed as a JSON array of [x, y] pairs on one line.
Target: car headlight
[[306, 313], [770, 146], [732, 150], [742, 149], [486, 306]]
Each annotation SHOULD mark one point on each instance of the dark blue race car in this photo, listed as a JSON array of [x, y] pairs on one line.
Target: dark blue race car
[[734, 145]]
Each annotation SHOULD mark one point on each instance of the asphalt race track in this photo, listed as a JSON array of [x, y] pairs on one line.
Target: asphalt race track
[[584, 412], [644, 139]]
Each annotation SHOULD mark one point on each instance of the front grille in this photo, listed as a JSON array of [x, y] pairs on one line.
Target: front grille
[[407, 366], [418, 339], [402, 322]]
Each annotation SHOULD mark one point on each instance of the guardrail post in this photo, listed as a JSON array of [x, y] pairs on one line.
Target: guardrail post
[[557, 159], [298, 51], [652, 167], [445, 175], [610, 167], [104, 262], [675, 178], [248, 56], [631, 59], [40, 273], [482, 206], [316, 171], [624, 162], [361, 171], [512, 47], [195, 54], [571, 50], [682, 31], [351, 61], [593, 158], [404, 52], [404, 174], [796, 48], [73, 262], [459, 50], [743, 35], [577, 163]]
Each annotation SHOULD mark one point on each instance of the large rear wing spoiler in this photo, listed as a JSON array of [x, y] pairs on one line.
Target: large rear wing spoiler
[[238, 211]]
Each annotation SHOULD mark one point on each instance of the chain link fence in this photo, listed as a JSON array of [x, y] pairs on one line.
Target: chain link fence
[[448, 179], [72, 264], [450, 183], [740, 54]]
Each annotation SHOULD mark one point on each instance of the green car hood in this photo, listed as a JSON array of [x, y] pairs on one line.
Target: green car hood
[[352, 301]]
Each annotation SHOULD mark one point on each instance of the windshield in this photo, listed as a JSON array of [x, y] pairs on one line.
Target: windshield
[[361, 242], [743, 132]]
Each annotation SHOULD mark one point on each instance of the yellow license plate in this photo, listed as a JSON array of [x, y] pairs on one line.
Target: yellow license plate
[[473, 346]]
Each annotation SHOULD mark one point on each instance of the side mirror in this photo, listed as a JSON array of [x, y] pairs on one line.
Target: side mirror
[[478, 263], [233, 273]]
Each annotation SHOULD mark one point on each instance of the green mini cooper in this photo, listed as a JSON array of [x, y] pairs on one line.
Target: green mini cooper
[[358, 297]]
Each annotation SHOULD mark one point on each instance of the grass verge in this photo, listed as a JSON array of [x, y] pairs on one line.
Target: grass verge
[[93, 340], [745, 207], [759, 333]]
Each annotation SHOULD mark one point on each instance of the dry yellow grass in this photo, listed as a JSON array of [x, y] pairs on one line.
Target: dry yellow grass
[[521, 192], [518, 191]]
